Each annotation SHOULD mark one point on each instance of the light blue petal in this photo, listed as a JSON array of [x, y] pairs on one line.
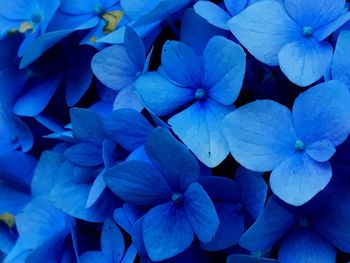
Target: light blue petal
[[135, 48], [128, 98], [178, 164], [213, 14], [235, 6], [84, 154], [112, 241], [201, 213], [127, 127], [45, 172], [274, 222], [70, 195], [299, 178], [224, 69], [160, 95], [303, 244], [260, 134], [127, 215], [137, 183], [322, 112], [138, 155], [113, 67], [166, 231], [253, 191], [321, 151], [230, 229], [130, 255], [181, 64], [39, 221], [96, 190], [199, 127], [134, 9], [341, 59], [305, 61], [38, 96], [24, 9], [87, 125], [77, 7], [325, 31], [264, 28], [312, 13]]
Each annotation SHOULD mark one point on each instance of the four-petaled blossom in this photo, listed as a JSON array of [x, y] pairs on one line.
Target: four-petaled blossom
[[291, 34], [205, 87], [264, 135], [180, 205]]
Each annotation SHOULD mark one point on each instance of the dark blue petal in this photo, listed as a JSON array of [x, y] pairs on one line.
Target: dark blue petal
[[138, 183], [179, 166]]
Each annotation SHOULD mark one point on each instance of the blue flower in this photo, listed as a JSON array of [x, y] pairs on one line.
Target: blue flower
[[80, 189], [119, 66], [311, 232], [112, 247], [238, 203], [204, 87], [28, 17], [179, 205], [291, 34], [264, 136]]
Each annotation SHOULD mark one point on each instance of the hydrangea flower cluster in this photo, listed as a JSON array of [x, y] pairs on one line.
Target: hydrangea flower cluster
[[174, 131]]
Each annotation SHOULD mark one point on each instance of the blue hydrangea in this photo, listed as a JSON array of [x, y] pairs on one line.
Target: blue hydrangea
[[204, 86], [291, 34], [174, 131]]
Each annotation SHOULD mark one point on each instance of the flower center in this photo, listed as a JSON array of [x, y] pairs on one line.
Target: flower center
[[99, 9], [201, 94], [36, 18], [303, 222], [299, 145], [307, 31], [176, 198]]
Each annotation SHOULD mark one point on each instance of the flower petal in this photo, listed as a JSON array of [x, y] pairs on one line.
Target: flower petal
[[137, 183], [181, 64], [160, 95], [201, 212], [303, 244], [212, 13], [305, 61], [322, 112], [260, 134], [166, 231], [199, 127], [224, 69], [299, 178], [179, 166], [264, 28]]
